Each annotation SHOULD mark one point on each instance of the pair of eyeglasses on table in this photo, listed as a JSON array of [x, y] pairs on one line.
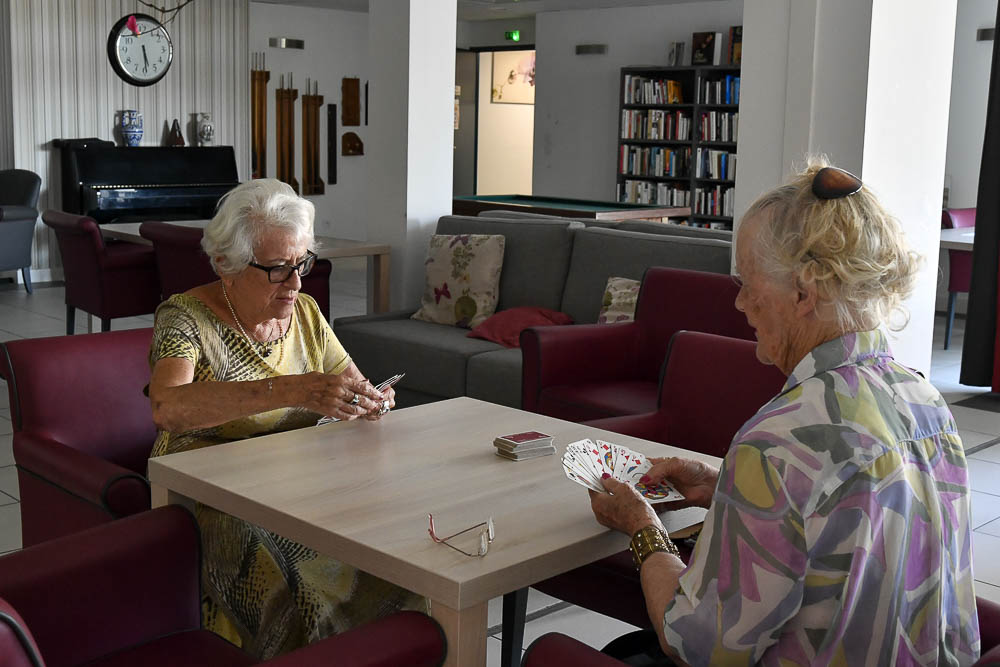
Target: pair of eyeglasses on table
[[486, 534]]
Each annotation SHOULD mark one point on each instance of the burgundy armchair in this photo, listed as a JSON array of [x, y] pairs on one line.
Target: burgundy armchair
[[83, 429], [109, 281], [129, 593], [182, 264], [959, 262], [592, 371]]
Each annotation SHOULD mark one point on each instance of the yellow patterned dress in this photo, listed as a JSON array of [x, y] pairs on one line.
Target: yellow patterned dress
[[261, 591]]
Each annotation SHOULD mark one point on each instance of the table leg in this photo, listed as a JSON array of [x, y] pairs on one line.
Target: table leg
[[380, 282], [160, 495], [515, 607], [465, 632]]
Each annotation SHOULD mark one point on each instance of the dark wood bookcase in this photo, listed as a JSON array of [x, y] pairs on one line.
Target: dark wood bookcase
[[657, 160]]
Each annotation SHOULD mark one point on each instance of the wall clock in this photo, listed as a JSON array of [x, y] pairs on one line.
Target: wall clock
[[141, 59]]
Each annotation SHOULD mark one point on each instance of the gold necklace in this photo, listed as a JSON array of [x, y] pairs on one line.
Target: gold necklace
[[258, 347]]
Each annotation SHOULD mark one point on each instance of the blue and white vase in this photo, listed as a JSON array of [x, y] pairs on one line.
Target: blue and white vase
[[132, 126]]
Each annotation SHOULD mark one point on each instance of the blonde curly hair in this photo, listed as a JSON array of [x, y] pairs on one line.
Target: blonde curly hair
[[850, 247]]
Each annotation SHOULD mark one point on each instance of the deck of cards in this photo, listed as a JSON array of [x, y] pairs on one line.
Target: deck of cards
[[523, 446], [585, 461]]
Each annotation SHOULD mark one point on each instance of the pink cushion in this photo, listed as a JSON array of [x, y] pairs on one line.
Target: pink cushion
[[506, 326]]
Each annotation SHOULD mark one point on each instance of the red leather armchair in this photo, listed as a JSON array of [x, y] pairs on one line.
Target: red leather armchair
[[181, 263], [592, 371], [83, 429], [117, 280], [959, 262], [129, 593]]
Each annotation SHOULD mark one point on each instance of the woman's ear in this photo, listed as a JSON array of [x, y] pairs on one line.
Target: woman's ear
[[806, 299]]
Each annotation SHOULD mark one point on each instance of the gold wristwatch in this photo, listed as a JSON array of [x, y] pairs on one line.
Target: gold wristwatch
[[647, 541]]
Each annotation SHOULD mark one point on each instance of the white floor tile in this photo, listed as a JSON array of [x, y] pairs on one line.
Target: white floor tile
[[587, 626], [493, 647], [8, 481], [6, 450], [10, 527], [536, 601], [988, 591], [984, 476], [991, 453], [980, 421], [991, 528], [985, 508], [986, 558], [6, 426]]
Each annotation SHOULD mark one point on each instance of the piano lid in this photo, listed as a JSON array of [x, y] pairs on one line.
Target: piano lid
[[156, 165]]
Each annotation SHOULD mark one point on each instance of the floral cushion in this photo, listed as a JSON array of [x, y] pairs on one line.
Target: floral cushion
[[619, 301], [462, 278]]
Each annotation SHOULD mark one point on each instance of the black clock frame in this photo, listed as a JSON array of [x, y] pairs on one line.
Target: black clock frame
[[113, 51]]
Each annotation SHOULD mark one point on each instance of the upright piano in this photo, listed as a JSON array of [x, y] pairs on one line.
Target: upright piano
[[127, 184]]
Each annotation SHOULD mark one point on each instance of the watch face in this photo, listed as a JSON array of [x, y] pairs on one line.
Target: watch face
[[140, 59]]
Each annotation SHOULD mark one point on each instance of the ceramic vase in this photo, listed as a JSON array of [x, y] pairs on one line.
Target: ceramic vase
[[206, 131], [131, 126]]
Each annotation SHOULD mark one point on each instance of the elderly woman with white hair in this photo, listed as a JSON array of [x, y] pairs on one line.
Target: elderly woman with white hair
[[245, 356], [838, 524]]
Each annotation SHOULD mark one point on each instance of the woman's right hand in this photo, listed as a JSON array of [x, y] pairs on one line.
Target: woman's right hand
[[695, 480], [332, 395]]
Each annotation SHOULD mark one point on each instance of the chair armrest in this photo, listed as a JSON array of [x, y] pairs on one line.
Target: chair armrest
[[574, 354], [558, 650], [648, 426], [18, 213], [989, 623], [377, 317], [117, 490], [117, 585], [406, 638]]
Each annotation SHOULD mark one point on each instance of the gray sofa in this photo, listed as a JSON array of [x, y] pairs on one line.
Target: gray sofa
[[554, 263]]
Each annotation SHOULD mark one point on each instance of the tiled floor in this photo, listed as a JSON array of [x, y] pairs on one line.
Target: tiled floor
[[43, 314]]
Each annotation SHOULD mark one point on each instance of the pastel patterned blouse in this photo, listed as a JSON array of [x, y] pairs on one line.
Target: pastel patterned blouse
[[839, 531]]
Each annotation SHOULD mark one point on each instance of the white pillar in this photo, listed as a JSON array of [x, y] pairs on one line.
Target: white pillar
[[411, 49], [866, 82]]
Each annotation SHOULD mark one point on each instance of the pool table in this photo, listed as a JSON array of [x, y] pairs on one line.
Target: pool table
[[570, 208]]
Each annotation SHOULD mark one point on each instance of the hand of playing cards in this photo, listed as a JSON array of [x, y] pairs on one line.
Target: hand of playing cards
[[380, 388], [585, 461]]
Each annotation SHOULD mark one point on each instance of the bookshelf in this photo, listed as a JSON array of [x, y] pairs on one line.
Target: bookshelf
[[677, 137]]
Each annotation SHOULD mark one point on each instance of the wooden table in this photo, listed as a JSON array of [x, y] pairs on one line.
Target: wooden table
[[329, 248], [960, 238], [361, 491]]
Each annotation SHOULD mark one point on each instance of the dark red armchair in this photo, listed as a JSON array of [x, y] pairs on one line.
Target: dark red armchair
[[83, 429], [592, 371], [109, 281], [959, 262], [182, 264], [129, 593]]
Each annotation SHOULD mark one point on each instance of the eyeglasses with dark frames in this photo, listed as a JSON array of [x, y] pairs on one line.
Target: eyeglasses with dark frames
[[486, 535], [282, 272], [834, 183]]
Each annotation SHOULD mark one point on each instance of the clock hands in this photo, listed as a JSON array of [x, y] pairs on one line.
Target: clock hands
[[145, 67]]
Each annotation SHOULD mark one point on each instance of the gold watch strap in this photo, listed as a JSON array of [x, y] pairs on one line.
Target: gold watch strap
[[647, 541]]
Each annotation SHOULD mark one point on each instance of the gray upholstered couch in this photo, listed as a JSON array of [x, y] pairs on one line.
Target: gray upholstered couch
[[554, 263]]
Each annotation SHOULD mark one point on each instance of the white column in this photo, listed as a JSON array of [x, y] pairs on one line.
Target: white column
[[411, 48]]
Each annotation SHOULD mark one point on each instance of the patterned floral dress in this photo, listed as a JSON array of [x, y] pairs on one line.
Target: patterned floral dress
[[262, 592]]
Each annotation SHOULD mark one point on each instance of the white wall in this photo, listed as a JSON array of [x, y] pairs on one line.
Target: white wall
[[336, 46], [576, 120], [473, 34], [506, 134]]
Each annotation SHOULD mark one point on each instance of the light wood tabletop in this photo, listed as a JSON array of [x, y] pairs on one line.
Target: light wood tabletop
[[329, 247], [361, 491], [960, 238]]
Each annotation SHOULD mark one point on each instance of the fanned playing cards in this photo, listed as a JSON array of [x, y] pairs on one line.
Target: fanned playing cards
[[586, 461]]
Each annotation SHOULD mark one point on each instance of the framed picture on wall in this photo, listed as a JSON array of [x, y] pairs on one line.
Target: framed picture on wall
[[513, 77]]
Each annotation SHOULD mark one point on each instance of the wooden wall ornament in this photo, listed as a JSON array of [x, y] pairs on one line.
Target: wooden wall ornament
[[259, 76], [350, 93], [285, 122], [331, 144], [312, 184], [351, 144], [366, 102]]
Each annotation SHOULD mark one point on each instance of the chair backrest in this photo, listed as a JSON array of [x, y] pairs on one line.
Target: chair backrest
[[180, 261], [81, 247], [956, 218], [19, 187], [17, 646], [959, 261], [711, 386], [85, 391]]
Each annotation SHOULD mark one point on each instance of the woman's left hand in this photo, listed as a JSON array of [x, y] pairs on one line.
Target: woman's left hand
[[624, 510], [388, 403]]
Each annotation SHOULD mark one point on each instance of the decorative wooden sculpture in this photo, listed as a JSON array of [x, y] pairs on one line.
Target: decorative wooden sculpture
[[350, 93], [331, 144], [258, 115], [312, 184], [285, 121], [351, 144]]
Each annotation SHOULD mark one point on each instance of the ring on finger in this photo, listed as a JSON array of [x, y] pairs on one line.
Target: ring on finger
[[356, 399]]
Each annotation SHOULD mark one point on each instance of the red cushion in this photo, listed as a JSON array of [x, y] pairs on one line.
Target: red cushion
[[196, 647], [506, 326]]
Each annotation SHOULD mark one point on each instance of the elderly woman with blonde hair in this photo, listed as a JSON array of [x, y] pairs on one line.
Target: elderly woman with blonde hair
[[838, 524], [245, 356]]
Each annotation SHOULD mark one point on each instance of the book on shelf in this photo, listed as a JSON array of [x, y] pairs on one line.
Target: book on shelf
[[736, 44], [641, 90], [675, 55], [706, 48]]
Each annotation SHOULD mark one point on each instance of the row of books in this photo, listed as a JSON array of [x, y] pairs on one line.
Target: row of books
[[654, 161], [711, 163], [642, 90], [719, 125], [648, 192], [714, 201], [724, 90], [655, 124]]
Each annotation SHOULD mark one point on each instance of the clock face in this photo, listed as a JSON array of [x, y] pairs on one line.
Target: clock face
[[141, 59]]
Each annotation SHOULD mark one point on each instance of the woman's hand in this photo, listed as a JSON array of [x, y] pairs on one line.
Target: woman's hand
[[624, 509], [695, 480], [385, 403], [334, 395]]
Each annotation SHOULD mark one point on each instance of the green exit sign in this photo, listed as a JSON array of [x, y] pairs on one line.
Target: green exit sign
[[512, 35]]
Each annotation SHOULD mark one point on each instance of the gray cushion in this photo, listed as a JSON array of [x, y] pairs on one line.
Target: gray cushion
[[433, 356], [601, 253], [535, 259], [496, 377]]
